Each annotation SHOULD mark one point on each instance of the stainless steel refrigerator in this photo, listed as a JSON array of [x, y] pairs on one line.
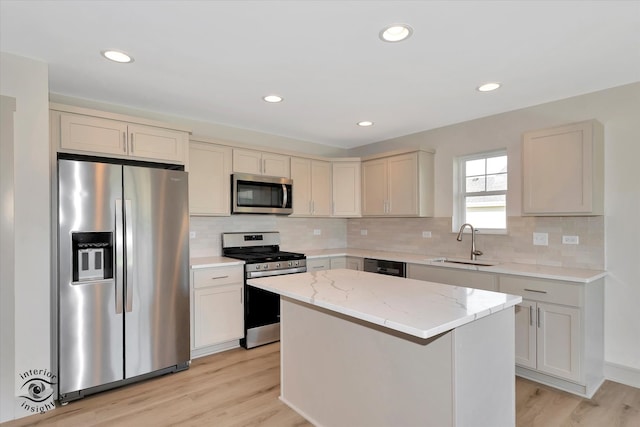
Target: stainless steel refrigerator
[[123, 274]]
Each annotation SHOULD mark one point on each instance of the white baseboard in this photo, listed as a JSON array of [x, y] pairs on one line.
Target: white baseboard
[[622, 374]]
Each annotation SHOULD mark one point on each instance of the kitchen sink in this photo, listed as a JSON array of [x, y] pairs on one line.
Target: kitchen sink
[[463, 262]]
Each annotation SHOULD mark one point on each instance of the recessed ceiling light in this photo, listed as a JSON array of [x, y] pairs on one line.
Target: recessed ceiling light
[[395, 33], [488, 87], [365, 123], [117, 56], [272, 98]]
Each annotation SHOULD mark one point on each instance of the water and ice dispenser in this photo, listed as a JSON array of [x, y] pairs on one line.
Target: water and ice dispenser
[[92, 256]]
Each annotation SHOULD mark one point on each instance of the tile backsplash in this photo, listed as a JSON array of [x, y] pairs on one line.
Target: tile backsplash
[[296, 234], [405, 235]]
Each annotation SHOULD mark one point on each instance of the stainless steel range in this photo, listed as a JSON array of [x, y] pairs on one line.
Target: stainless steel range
[[263, 257]]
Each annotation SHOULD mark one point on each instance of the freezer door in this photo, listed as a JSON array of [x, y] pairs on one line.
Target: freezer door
[[157, 269], [90, 324]]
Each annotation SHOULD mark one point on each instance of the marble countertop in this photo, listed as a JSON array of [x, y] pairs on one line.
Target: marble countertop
[[579, 275], [418, 308]]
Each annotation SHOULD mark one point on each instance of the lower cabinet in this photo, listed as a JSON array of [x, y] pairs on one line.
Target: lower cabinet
[[453, 276], [547, 338], [559, 332], [217, 309], [355, 263], [334, 262]]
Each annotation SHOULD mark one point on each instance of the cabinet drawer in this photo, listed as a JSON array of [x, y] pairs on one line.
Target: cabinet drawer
[[217, 276], [543, 290]]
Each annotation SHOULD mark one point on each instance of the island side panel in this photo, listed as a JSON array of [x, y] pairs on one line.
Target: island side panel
[[337, 371], [484, 371]]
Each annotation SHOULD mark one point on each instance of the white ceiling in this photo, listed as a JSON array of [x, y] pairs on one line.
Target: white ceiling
[[214, 60]]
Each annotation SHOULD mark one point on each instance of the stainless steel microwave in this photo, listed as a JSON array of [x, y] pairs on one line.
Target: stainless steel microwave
[[261, 194]]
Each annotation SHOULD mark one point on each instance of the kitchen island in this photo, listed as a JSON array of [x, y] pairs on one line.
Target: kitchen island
[[363, 349]]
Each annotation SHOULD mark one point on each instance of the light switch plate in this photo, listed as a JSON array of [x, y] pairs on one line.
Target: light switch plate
[[363, 232], [541, 239], [317, 232], [426, 234], [192, 234]]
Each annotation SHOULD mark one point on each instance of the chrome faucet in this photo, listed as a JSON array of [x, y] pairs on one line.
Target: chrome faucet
[[474, 252]]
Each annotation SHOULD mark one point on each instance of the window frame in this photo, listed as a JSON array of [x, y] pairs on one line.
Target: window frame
[[459, 208]]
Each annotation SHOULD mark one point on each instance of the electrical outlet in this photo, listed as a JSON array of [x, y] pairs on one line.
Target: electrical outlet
[[317, 232], [426, 234], [570, 240], [541, 239], [192, 234], [363, 232]]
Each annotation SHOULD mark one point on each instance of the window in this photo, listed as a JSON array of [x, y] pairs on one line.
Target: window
[[482, 200]]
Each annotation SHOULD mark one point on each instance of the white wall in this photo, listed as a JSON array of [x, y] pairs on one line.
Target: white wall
[[618, 109], [26, 80]]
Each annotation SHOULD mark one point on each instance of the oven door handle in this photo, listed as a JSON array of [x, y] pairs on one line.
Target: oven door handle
[[256, 274]]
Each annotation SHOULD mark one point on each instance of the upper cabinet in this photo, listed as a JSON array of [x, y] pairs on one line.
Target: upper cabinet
[[259, 163], [346, 188], [563, 170], [209, 179], [94, 132], [400, 185], [311, 187]]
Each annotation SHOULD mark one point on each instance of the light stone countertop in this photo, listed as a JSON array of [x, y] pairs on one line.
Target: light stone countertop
[[418, 308], [579, 275], [214, 261]]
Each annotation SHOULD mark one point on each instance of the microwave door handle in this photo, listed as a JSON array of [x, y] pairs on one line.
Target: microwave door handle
[[286, 196]]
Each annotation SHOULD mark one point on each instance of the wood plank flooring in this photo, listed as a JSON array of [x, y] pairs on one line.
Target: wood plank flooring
[[241, 388]]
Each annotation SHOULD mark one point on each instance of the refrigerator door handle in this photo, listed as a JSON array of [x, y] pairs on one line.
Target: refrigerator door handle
[[118, 257], [128, 233]]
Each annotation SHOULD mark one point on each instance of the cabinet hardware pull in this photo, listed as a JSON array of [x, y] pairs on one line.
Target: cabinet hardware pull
[[530, 315], [538, 317], [124, 142], [219, 277], [132, 142], [535, 290]]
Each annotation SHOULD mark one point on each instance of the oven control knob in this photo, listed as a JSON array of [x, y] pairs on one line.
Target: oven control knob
[[295, 263], [258, 267], [266, 266], [289, 264], [277, 265]]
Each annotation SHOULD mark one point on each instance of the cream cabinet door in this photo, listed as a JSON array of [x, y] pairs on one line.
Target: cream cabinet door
[[258, 163], [209, 179], [347, 189], [563, 170], [218, 315], [402, 185], [354, 263], [147, 142], [558, 341], [318, 264], [276, 165], [247, 161], [105, 136], [453, 276], [374, 187], [93, 134], [311, 187], [320, 188], [525, 325], [338, 262], [301, 175]]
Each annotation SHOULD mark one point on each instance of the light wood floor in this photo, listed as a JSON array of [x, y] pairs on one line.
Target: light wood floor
[[241, 388]]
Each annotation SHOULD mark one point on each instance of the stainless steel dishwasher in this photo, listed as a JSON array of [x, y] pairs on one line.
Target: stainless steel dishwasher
[[381, 266]]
